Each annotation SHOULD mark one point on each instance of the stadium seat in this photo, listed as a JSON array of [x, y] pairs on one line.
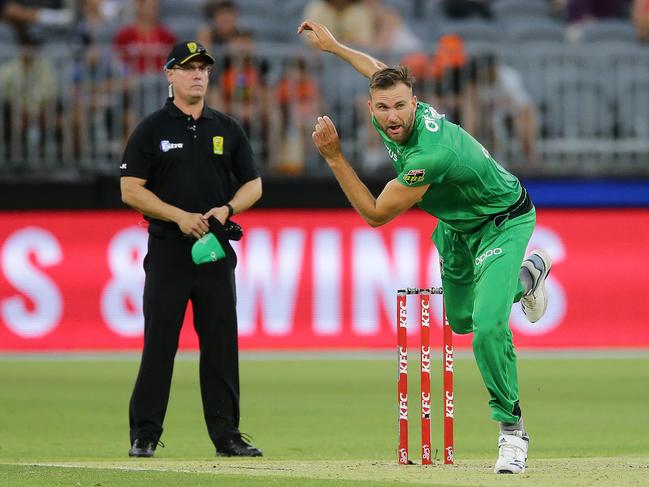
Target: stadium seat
[[506, 10], [185, 27], [405, 7], [432, 10], [265, 30], [536, 31], [148, 94], [578, 106], [472, 30], [257, 8], [292, 9], [7, 34], [169, 9], [633, 105], [340, 83], [608, 30], [106, 33], [428, 31]]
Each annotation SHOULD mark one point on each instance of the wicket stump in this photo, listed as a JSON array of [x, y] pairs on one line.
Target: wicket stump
[[425, 362]]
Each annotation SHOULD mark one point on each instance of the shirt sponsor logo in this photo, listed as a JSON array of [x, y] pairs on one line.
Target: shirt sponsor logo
[[430, 116], [217, 144], [414, 176], [166, 146], [487, 254]]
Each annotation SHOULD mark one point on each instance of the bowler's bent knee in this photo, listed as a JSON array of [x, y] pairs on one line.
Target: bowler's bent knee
[[461, 323]]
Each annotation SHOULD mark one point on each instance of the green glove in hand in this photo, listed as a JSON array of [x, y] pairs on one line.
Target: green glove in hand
[[207, 249]]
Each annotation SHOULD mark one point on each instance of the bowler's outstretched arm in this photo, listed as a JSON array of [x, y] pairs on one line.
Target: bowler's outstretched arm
[[393, 200], [319, 36]]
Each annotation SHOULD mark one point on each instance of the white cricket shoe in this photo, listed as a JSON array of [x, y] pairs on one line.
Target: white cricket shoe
[[535, 302], [512, 453]]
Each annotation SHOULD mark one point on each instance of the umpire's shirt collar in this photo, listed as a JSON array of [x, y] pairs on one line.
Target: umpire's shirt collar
[[175, 112]]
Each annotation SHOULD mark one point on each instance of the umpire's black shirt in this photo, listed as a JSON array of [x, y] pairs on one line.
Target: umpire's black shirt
[[189, 163]]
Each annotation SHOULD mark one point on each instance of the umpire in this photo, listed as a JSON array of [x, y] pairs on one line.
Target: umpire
[[181, 169]]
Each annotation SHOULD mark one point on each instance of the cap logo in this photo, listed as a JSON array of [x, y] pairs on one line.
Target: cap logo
[[192, 46]]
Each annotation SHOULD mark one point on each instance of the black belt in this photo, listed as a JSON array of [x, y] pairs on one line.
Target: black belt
[[230, 231], [523, 205], [161, 231]]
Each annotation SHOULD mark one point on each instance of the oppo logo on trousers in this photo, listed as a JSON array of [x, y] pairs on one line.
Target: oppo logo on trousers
[[487, 254]]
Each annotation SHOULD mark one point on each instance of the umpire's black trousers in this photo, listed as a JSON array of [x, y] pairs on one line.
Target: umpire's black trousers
[[172, 279]]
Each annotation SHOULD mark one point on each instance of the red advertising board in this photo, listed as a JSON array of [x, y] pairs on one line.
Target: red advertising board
[[310, 280]]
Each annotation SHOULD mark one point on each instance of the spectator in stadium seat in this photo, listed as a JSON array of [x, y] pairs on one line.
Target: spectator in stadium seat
[[587, 10], [242, 90], [21, 17], [391, 35], [240, 81], [391, 32], [297, 95], [116, 10], [503, 107], [347, 20], [91, 19], [29, 90], [443, 78], [581, 12], [460, 9], [99, 85], [223, 16], [640, 18], [143, 43]]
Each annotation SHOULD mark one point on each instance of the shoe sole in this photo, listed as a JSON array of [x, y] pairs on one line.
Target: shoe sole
[[547, 263], [540, 285]]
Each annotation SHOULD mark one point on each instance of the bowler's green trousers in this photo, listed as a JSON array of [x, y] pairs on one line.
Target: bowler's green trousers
[[480, 279]]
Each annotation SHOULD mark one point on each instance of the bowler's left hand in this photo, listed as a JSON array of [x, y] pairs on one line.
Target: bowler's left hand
[[325, 137]]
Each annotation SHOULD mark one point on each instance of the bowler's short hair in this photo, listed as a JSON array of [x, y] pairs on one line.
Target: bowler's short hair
[[388, 77]]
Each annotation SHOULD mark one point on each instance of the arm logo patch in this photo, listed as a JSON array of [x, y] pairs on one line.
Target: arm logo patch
[[414, 176]]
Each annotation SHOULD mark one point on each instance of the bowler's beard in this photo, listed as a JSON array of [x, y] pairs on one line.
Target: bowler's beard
[[408, 126]]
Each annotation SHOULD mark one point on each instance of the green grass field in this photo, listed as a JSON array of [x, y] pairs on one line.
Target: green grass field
[[321, 422]]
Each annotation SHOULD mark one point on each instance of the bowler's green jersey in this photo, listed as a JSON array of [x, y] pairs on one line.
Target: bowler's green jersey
[[466, 184]]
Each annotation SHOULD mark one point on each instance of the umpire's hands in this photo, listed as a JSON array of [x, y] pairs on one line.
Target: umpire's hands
[[221, 213], [193, 224], [325, 137]]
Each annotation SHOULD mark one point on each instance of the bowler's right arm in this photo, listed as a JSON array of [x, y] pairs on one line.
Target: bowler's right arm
[[319, 36]]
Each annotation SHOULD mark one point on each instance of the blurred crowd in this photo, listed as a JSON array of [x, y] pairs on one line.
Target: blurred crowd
[[120, 45]]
